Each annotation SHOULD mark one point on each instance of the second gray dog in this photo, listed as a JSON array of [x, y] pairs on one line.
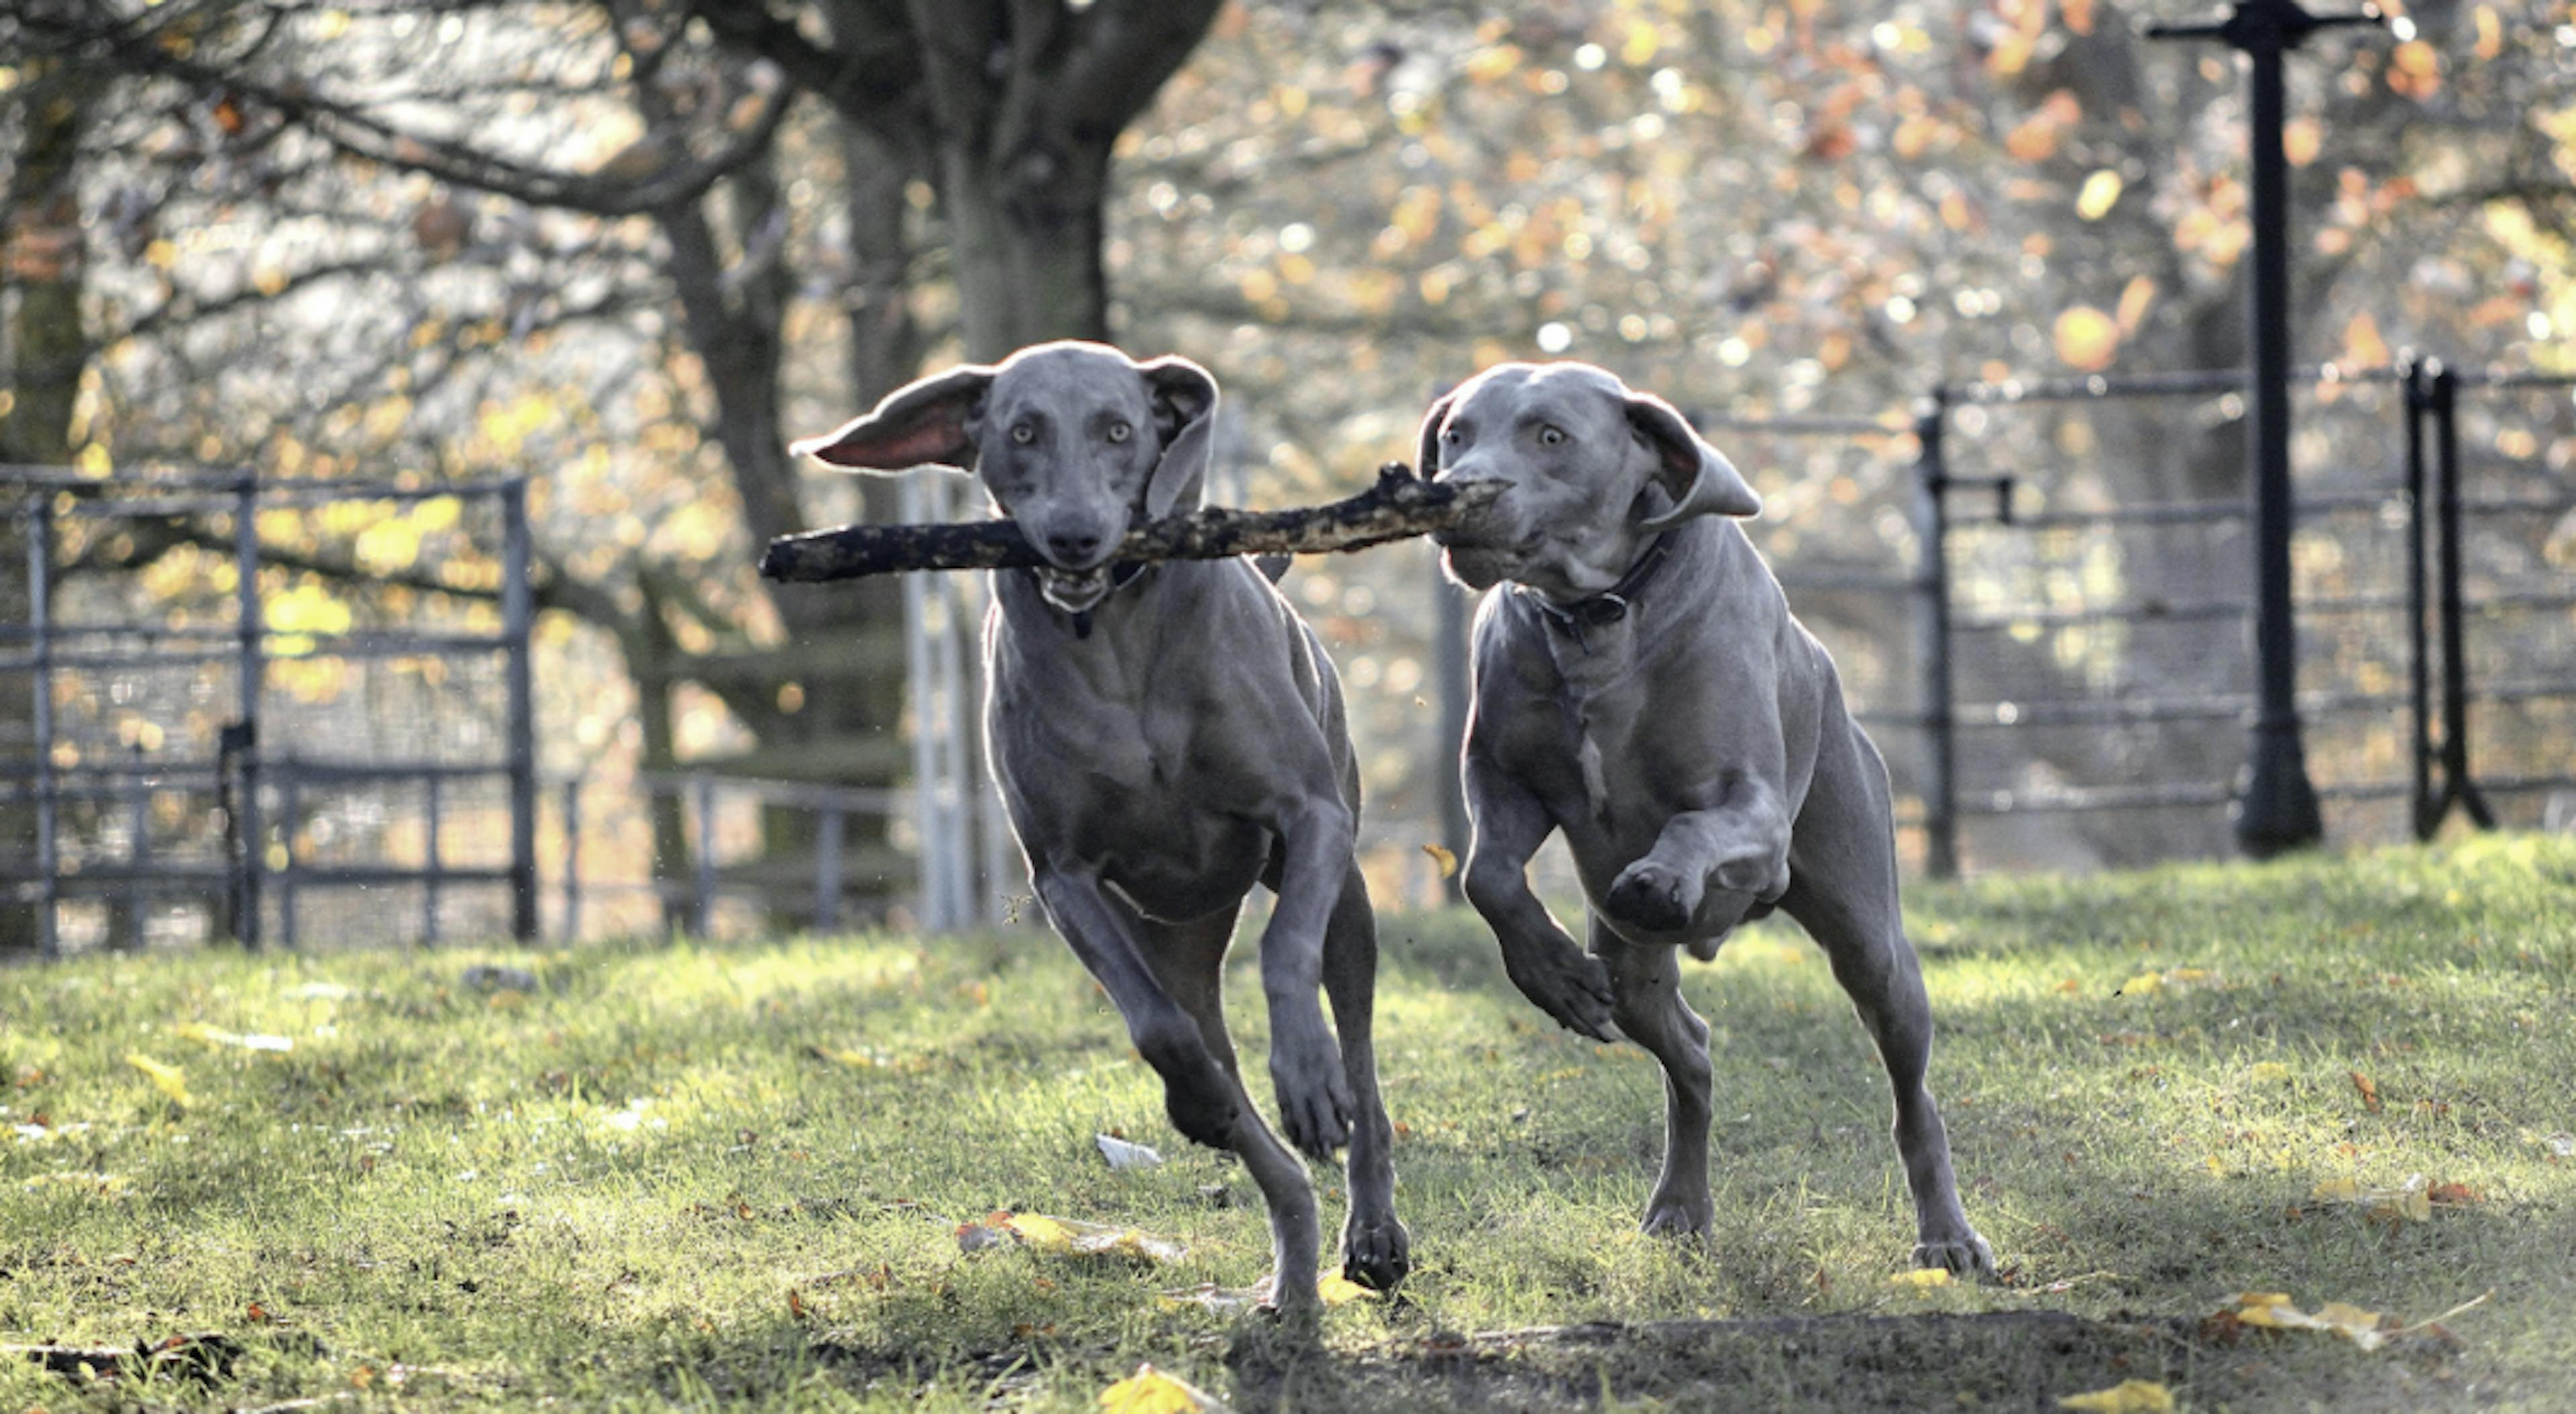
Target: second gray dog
[[1643, 688], [1165, 736]]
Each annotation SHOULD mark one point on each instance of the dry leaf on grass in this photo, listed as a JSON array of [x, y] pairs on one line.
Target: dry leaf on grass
[[2126, 1397], [170, 1080], [2273, 1310], [1068, 1237], [2146, 982], [104, 1185], [1124, 1155], [1150, 1391], [1922, 1277], [251, 1041], [1332, 1287], [2410, 1201], [2369, 1091]]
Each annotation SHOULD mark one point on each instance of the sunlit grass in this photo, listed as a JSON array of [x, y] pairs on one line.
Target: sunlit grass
[[734, 1173]]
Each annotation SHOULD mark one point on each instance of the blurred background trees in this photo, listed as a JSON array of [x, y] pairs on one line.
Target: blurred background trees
[[632, 247]]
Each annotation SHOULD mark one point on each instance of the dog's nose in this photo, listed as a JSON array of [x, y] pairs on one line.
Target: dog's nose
[[1073, 546]]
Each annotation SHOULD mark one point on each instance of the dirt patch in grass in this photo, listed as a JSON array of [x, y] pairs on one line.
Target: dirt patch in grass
[[1994, 1360]]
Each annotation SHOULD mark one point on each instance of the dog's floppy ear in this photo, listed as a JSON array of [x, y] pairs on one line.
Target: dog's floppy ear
[[1184, 397], [1699, 478], [1426, 456], [927, 422]]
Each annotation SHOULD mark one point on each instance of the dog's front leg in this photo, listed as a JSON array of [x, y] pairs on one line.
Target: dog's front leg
[[1541, 959], [1196, 1092], [1316, 836], [1740, 845]]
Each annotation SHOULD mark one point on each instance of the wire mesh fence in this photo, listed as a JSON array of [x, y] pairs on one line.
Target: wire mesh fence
[[242, 709]]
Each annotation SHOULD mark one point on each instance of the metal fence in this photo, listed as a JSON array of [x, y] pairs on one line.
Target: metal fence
[[228, 736], [2082, 674]]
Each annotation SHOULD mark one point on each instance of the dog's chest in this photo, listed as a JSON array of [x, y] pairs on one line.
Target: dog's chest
[[1595, 717]]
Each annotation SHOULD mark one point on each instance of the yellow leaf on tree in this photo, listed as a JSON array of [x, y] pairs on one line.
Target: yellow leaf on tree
[[2087, 339], [2126, 1397], [2101, 192], [1150, 1391], [169, 1079]]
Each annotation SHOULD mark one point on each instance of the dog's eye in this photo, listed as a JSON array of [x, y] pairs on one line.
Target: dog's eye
[[1551, 436], [1451, 437], [1119, 431], [1024, 434]]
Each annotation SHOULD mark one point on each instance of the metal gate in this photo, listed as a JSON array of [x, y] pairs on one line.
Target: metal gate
[[229, 735]]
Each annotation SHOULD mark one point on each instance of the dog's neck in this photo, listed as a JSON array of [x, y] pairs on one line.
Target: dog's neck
[[1573, 617]]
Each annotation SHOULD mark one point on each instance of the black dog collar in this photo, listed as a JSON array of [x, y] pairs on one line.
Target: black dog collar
[[1610, 605]]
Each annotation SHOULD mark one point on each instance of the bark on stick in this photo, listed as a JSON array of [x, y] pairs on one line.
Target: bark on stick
[[1399, 506]]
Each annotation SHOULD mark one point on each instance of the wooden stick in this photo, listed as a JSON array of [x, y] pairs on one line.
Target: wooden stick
[[1399, 506]]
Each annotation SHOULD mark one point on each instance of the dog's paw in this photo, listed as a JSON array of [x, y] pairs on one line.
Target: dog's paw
[[1314, 1097], [1678, 1214], [1651, 897], [1561, 980], [1965, 1255], [1378, 1254]]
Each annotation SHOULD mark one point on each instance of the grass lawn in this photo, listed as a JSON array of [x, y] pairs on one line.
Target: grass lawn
[[734, 1174]]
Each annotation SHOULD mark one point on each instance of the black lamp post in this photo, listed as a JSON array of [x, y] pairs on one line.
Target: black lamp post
[[2278, 809]]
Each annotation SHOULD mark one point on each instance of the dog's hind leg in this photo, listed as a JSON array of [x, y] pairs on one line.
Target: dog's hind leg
[[1645, 980], [1188, 959], [1376, 1250], [1843, 891]]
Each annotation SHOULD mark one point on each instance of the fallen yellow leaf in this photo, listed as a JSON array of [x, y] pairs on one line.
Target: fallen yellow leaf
[[1337, 1289], [105, 1185], [1070, 1238], [200, 1031], [2267, 1072], [2126, 1397], [1922, 1277], [1150, 1391], [2409, 1201], [2273, 1310], [170, 1080]]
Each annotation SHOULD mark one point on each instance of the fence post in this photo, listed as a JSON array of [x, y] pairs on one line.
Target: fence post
[[827, 871], [2427, 810], [252, 671], [572, 860], [138, 826], [1932, 638], [432, 862], [2457, 785], [40, 565], [518, 611], [702, 788], [290, 807]]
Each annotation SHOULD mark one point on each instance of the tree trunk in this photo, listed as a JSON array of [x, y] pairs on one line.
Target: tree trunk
[[41, 258]]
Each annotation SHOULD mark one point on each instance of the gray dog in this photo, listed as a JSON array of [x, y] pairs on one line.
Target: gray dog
[[1645, 690], [1167, 735]]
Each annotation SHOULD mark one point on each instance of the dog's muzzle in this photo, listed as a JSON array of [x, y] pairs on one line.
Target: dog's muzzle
[[1074, 591]]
